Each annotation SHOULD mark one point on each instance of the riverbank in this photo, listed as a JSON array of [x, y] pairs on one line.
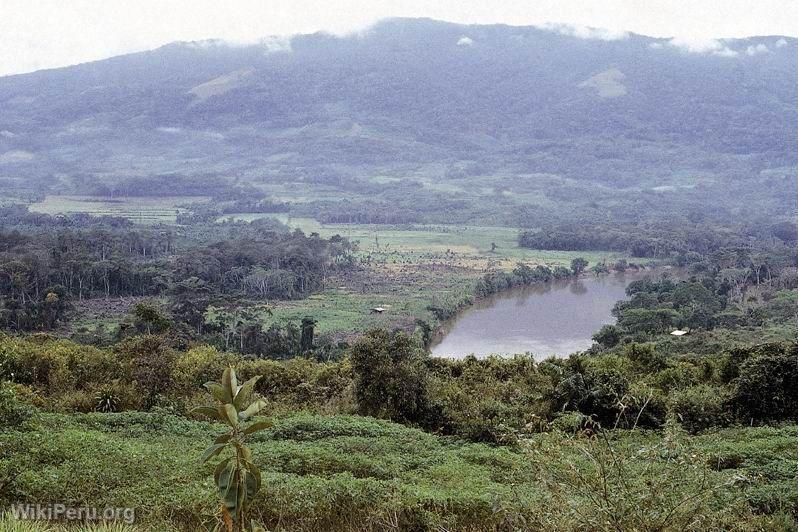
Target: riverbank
[[419, 274]]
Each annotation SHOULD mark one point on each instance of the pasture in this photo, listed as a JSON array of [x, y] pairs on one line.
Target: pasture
[[142, 210]]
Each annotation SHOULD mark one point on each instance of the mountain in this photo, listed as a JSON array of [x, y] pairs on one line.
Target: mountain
[[411, 97]]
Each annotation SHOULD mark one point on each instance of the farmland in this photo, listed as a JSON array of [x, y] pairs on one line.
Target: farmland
[[407, 269], [142, 210]]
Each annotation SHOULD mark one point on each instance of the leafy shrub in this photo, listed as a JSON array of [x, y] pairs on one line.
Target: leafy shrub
[[149, 363], [390, 378], [700, 407], [595, 387], [14, 412], [569, 422], [767, 386], [75, 401], [116, 396], [199, 365], [677, 376]]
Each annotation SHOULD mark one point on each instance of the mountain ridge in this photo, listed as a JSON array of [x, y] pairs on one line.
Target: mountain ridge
[[411, 96]]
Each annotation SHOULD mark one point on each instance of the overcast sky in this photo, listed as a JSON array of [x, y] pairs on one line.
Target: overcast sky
[[37, 34]]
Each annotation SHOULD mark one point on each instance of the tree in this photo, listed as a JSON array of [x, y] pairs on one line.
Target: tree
[[767, 386], [608, 336], [306, 340], [390, 378], [578, 265], [149, 318], [785, 231], [149, 362]]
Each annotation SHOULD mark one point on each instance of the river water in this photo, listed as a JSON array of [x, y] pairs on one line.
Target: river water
[[556, 318]]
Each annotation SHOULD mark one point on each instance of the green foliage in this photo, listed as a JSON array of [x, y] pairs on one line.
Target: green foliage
[[608, 336], [15, 413], [149, 363], [390, 378], [767, 386], [701, 407], [349, 472], [578, 265], [237, 478], [149, 319]]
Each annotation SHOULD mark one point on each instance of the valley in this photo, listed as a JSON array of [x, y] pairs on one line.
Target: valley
[[429, 276]]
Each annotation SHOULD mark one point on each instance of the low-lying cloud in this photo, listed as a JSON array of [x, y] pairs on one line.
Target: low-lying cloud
[[756, 49], [586, 32], [702, 46]]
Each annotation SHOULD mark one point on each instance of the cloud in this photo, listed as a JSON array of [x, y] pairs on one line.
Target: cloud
[[781, 43], [16, 156], [702, 46], [170, 130], [586, 32], [7, 134], [756, 49], [465, 41], [276, 43]]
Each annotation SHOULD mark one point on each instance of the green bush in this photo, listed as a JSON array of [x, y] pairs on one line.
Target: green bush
[[199, 365], [149, 363], [391, 380], [701, 407], [14, 412], [767, 387]]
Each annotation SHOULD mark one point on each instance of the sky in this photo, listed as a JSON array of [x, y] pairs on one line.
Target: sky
[[36, 34]]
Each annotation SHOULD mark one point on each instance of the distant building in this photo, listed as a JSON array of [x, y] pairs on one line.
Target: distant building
[[678, 332]]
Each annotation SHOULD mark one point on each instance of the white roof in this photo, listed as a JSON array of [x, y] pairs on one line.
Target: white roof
[[677, 332]]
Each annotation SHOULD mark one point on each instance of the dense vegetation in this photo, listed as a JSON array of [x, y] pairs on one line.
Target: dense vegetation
[[459, 187], [45, 268]]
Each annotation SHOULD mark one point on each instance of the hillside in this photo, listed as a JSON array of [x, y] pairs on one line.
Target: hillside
[[410, 98]]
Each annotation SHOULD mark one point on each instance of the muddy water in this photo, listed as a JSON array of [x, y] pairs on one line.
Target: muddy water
[[556, 318]]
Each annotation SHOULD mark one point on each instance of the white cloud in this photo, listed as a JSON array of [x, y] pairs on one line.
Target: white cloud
[[586, 32], [756, 49], [7, 134], [465, 41], [16, 156], [278, 43], [702, 46], [170, 130], [52, 33], [781, 43]]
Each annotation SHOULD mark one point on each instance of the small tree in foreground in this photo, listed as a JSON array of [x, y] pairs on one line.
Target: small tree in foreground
[[237, 478]]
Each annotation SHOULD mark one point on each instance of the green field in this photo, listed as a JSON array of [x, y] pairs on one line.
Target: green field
[[404, 269], [356, 473], [408, 268], [144, 210]]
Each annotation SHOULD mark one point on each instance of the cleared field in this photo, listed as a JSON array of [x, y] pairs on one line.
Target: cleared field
[[143, 210], [407, 269]]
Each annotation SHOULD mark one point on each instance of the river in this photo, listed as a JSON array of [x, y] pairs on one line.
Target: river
[[555, 318]]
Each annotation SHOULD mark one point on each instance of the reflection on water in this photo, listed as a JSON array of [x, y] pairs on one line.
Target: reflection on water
[[556, 318]]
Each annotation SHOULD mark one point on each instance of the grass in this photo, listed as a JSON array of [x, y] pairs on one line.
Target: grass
[[355, 473], [144, 210], [408, 268]]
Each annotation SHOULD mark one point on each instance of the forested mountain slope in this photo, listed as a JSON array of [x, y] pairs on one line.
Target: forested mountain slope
[[411, 97]]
